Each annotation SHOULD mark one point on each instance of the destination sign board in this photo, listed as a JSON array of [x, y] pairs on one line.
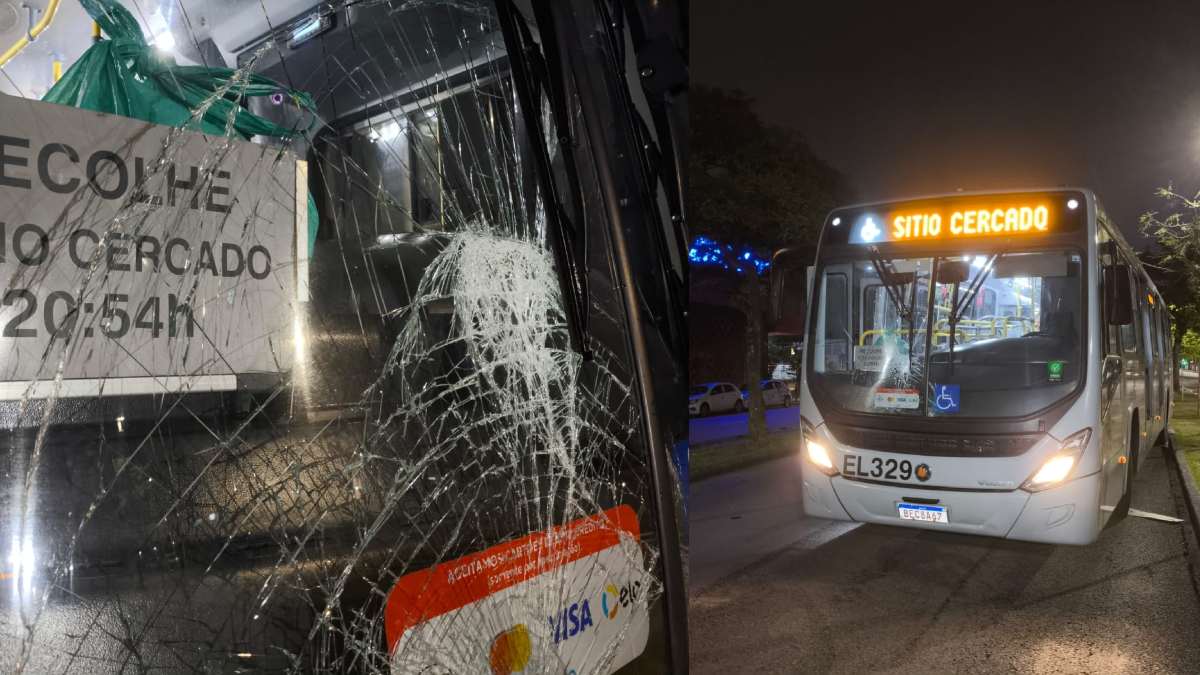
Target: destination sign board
[[138, 258], [930, 224], [969, 217]]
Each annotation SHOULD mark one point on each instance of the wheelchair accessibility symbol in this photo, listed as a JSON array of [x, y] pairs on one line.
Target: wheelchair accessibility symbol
[[945, 398]]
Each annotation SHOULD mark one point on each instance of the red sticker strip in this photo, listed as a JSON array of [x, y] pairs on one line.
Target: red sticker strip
[[420, 596]]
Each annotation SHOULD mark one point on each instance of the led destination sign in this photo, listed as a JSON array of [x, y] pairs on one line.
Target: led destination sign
[[1011, 220], [957, 218]]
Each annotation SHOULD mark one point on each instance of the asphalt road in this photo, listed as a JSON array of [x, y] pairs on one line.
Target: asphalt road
[[787, 594], [738, 518], [723, 427]]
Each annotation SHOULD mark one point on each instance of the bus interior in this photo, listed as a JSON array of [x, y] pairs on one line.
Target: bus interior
[[453, 380]]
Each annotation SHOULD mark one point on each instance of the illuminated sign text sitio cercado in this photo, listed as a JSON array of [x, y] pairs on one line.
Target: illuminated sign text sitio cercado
[[970, 222]]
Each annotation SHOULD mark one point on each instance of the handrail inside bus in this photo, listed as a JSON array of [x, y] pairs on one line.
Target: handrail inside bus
[[941, 329]]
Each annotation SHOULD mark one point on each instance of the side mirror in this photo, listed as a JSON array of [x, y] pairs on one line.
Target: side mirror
[[953, 272], [789, 292], [1118, 296]]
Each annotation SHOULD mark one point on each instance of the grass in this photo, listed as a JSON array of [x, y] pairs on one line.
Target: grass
[[715, 459], [1186, 423]]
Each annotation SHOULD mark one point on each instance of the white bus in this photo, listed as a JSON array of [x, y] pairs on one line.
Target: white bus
[[993, 364]]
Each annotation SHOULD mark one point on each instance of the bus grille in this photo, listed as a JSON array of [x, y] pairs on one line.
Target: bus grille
[[1007, 445]]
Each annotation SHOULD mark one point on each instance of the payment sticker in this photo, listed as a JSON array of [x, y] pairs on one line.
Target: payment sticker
[[573, 598], [905, 399]]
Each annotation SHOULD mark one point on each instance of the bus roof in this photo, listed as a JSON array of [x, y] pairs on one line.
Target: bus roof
[[1087, 193]]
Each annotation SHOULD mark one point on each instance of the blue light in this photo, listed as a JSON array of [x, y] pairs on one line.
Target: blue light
[[705, 251]]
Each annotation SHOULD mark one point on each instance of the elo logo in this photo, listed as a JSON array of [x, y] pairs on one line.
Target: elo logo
[[604, 603], [613, 598]]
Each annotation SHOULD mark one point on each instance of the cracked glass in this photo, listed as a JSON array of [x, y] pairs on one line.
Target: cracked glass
[[330, 400]]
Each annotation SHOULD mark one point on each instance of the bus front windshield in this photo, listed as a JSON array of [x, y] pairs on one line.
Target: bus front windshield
[[999, 334]]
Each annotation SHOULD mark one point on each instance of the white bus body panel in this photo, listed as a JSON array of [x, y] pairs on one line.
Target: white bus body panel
[[1068, 514], [1063, 515]]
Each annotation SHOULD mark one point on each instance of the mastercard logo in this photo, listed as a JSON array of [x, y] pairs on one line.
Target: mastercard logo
[[510, 651], [604, 603]]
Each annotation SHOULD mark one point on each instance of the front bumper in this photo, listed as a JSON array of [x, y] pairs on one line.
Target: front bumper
[[1067, 514]]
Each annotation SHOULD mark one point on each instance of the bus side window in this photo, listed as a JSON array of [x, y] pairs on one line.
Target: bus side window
[[1129, 332], [1168, 339], [1112, 344], [1152, 326], [837, 323], [1164, 333]]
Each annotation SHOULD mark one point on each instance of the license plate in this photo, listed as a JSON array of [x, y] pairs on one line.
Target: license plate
[[927, 513]]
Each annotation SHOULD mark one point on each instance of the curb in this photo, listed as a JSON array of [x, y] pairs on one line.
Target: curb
[[703, 447], [1191, 499], [743, 437], [1191, 490]]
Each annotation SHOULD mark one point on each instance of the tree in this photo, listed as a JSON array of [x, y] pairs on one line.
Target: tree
[[1190, 347], [757, 185], [1175, 267]]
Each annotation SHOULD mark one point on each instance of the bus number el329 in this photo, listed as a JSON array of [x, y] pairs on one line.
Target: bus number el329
[[887, 469]]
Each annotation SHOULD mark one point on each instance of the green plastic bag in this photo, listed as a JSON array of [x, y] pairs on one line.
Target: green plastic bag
[[124, 75]]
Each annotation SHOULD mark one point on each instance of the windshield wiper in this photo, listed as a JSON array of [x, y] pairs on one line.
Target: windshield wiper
[[957, 308], [889, 277], [973, 289]]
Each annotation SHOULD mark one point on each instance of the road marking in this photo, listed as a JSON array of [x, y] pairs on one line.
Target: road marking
[[1154, 516]]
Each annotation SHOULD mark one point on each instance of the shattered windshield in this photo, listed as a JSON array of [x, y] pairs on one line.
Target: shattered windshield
[[977, 335], [313, 360]]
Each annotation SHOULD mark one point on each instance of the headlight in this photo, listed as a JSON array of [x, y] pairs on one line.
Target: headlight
[[815, 451], [1058, 467], [1054, 470]]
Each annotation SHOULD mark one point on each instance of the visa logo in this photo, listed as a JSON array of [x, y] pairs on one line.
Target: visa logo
[[570, 621]]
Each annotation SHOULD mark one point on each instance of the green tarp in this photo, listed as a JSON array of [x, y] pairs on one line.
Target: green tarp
[[125, 75]]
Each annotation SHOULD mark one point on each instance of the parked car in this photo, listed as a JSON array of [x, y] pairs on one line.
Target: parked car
[[783, 371], [774, 392], [715, 397]]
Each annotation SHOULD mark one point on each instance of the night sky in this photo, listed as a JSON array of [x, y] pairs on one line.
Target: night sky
[[910, 98]]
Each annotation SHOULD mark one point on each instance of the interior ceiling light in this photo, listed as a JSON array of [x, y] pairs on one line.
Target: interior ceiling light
[[165, 41], [308, 29]]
